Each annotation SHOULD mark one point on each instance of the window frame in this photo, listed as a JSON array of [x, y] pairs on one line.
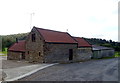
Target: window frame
[[33, 37]]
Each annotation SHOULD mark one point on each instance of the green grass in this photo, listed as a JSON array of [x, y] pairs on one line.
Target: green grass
[[4, 52], [117, 54], [108, 57]]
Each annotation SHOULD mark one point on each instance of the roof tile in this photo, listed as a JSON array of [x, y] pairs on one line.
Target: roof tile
[[56, 36], [82, 42], [20, 46]]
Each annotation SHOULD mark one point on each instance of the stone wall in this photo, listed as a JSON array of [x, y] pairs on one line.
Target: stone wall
[[14, 55], [58, 52], [34, 50], [83, 54]]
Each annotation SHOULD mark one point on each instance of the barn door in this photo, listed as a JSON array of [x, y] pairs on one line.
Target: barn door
[[23, 55], [70, 54]]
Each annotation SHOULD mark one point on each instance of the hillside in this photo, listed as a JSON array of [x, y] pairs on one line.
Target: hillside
[[8, 40], [103, 42]]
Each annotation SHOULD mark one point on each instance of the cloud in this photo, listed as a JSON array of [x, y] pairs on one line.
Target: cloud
[[87, 18]]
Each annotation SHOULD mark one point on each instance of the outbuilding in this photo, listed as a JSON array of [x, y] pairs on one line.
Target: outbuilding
[[101, 51], [17, 51]]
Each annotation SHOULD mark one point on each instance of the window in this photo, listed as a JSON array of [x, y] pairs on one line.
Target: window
[[33, 37], [39, 53]]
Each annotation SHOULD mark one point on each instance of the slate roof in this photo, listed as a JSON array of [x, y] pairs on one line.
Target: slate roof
[[96, 47], [20, 46], [56, 36], [82, 42]]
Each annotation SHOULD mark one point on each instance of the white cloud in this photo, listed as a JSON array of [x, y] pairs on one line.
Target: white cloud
[[84, 18]]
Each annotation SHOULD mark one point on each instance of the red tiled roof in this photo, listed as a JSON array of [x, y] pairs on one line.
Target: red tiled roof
[[20, 46], [82, 42], [55, 36]]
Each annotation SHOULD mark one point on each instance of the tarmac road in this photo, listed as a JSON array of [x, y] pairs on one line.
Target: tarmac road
[[94, 70]]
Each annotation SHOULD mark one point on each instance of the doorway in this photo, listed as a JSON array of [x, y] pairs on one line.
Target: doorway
[[23, 55], [70, 54]]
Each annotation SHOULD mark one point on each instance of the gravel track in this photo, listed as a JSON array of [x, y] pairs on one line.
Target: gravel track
[[94, 70]]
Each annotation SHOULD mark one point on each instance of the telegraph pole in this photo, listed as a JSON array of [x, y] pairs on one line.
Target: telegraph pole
[[31, 20]]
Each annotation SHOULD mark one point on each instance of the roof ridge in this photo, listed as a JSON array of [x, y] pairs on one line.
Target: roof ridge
[[50, 30], [79, 37], [55, 36], [21, 41]]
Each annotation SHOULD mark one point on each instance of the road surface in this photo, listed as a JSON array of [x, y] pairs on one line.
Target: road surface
[[94, 70]]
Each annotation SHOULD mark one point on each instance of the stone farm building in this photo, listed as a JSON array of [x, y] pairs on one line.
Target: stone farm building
[[43, 46]]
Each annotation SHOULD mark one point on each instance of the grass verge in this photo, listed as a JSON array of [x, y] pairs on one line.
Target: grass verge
[[117, 54], [4, 52]]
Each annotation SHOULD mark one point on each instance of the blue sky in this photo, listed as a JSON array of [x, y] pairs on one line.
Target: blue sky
[[83, 18]]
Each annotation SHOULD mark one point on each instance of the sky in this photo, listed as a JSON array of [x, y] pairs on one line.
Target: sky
[[81, 18]]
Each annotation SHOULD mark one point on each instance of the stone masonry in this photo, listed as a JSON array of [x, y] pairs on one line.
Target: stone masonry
[[58, 52], [34, 50], [14, 55], [83, 54]]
